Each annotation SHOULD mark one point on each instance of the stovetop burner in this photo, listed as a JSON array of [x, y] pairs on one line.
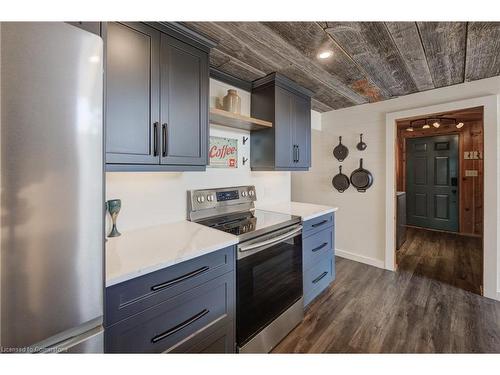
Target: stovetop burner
[[250, 224], [234, 224], [232, 210]]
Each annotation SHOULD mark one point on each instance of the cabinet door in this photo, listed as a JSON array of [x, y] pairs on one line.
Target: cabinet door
[[184, 103], [302, 131], [283, 128], [132, 93]]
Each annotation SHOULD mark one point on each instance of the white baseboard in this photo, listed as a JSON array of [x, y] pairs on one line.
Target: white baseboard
[[360, 258]]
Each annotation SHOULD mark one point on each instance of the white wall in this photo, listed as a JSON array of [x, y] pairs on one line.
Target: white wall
[[160, 197], [360, 221]]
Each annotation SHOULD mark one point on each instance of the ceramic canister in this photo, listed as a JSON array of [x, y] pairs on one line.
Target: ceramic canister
[[232, 102]]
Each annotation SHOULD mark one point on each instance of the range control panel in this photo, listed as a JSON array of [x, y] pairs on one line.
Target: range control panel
[[213, 198], [227, 195]]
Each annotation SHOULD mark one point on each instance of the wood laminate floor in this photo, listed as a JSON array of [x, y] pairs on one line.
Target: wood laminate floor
[[371, 310], [447, 257]]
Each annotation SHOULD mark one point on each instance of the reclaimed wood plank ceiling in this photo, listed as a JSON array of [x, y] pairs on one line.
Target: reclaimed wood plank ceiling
[[369, 62]]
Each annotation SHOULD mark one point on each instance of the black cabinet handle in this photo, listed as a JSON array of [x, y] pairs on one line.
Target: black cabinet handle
[[318, 279], [298, 153], [164, 140], [319, 247], [319, 224], [155, 139], [180, 326], [180, 278]]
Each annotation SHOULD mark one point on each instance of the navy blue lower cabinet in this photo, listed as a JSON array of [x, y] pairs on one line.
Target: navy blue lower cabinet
[[318, 246], [135, 295], [192, 312]]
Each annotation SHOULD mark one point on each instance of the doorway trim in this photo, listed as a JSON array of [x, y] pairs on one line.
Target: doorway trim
[[491, 219]]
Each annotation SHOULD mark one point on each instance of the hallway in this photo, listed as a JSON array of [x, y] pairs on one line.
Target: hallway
[[446, 257]]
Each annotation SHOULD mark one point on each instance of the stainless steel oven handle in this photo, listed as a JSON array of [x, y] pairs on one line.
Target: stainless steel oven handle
[[272, 241]]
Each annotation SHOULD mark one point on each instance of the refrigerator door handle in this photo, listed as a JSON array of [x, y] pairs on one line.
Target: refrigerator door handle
[[65, 346]]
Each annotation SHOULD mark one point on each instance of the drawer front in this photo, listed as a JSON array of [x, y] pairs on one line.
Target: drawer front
[[317, 279], [160, 328], [131, 297], [217, 340], [318, 223], [317, 247]]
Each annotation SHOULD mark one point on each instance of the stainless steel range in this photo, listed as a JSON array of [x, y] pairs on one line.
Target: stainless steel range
[[269, 263]]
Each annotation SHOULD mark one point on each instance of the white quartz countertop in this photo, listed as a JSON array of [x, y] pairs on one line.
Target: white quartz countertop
[[146, 250], [306, 211]]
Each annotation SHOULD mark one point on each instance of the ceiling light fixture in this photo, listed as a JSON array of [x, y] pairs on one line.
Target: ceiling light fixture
[[459, 125], [409, 129], [426, 126], [436, 124], [325, 54]]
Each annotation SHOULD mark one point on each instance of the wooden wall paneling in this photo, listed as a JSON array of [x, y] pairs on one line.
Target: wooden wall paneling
[[372, 47], [444, 45], [478, 144], [405, 36], [483, 46], [466, 192], [310, 39]]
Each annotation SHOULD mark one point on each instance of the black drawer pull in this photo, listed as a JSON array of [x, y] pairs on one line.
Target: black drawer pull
[[180, 326], [180, 278], [319, 224], [319, 247], [318, 279]]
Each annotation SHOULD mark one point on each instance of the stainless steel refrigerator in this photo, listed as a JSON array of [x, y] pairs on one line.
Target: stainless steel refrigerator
[[51, 188]]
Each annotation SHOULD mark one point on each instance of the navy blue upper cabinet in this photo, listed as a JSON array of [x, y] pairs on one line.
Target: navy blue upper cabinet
[[184, 103], [132, 93], [287, 146], [156, 97]]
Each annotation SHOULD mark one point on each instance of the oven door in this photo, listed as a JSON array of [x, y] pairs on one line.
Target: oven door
[[269, 279]]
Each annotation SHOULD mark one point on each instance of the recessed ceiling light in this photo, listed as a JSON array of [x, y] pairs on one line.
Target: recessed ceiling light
[[426, 126], [460, 124], [409, 129], [436, 124], [325, 54]]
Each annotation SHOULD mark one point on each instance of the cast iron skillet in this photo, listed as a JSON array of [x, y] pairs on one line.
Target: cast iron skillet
[[361, 146], [361, 178], [340, 151], [340, 181]]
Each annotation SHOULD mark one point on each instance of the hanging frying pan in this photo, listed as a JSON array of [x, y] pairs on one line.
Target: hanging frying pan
[[361, 178], [340, 181], [340, 151], [361, 146]]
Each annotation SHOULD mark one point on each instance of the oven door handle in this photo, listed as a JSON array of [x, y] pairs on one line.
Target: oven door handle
[[272, 241]]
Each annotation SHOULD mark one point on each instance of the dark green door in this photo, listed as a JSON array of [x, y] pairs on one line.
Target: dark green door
[[431, 182]]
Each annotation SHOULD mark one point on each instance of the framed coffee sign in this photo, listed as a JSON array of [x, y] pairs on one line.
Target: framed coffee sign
[[223, 152]]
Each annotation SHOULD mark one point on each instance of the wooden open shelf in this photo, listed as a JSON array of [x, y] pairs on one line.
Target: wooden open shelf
[[233, 120]]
